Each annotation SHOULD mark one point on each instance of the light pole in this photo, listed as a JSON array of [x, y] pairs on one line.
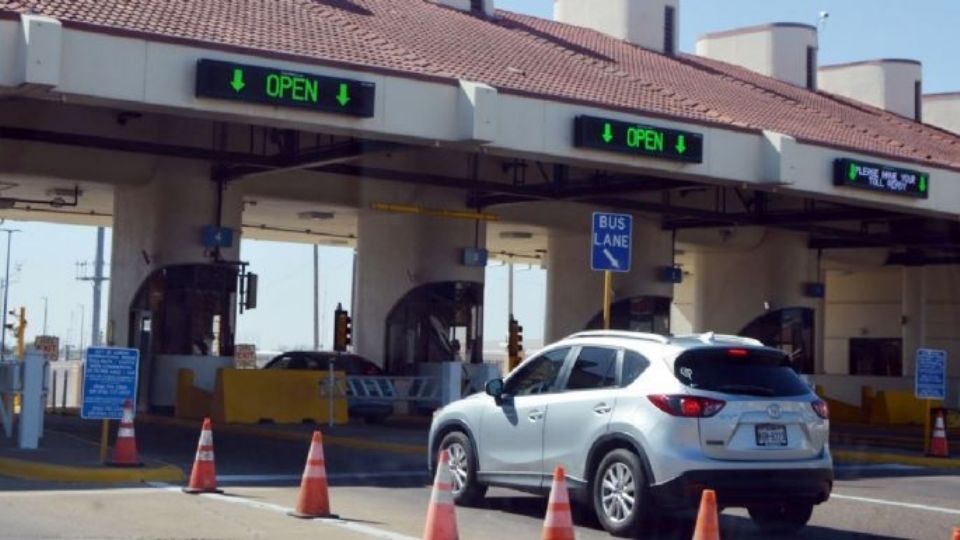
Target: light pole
[[83, 312], [316, 297], [6, 295], [45, 302]]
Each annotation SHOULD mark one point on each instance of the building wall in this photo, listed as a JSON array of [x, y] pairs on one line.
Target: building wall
[[869, 303], [942, 110], [888, 85], [778, 52]]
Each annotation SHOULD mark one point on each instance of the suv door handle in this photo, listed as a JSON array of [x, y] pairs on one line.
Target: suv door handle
[[535, 415], [602, 408]]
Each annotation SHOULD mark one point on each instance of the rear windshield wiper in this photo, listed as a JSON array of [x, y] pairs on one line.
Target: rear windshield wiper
[[747, 389]]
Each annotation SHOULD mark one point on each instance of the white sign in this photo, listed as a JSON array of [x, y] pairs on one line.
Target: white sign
[[931, 374]]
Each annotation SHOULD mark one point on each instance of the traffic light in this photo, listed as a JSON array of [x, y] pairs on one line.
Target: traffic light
[[342, 329], [514, 343], [21, 332]]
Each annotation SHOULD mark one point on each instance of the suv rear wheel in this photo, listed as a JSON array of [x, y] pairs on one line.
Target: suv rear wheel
[[781, 518], [467, 491], [619, 493]]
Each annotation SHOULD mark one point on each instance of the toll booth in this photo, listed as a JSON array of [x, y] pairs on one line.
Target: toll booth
[[437, 322], [183, 317]]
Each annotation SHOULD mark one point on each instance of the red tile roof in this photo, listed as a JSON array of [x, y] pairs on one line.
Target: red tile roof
[[516, 54]]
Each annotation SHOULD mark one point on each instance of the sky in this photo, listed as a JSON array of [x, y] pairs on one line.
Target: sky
[[45, 255]]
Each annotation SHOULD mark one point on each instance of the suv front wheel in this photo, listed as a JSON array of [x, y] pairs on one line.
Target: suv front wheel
[[781, 518], [467, 491], [619, 492]]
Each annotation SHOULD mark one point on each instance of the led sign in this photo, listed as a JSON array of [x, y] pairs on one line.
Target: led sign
[[638, 140], [863, 175], [282, 88]]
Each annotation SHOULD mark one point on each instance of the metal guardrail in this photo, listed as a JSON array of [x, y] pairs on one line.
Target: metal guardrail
[[424, 390]]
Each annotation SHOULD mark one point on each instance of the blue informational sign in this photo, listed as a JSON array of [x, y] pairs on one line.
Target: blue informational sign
[[109, 379], [611, 242], [931, 374]]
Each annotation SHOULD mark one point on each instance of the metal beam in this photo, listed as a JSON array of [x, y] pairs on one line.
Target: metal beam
[[308, 159], [595, 186], [785, 218], [137, 147]]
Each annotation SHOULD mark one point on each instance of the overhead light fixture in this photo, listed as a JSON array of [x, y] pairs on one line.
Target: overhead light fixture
[[516, 235], [316, 215]]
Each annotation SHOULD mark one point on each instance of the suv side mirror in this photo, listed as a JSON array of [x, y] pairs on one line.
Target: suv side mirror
[[494, 388]]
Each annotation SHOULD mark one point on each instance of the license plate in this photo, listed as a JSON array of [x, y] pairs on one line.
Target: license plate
[[771, 435]]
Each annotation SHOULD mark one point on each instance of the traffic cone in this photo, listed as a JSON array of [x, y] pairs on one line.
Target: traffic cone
[[441, 515], [558, 525], [956, 534], [203, 477], [125, 449], [938, 443], [708, 520], [314, 500]]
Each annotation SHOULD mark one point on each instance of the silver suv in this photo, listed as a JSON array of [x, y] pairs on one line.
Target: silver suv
[[644, 422]]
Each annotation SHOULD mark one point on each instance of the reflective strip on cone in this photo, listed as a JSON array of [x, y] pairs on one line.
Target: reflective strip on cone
[[206, 438], [125, 432], [205, 455], [315, 472]]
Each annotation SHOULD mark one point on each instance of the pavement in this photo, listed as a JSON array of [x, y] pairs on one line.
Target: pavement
[[381, 490]]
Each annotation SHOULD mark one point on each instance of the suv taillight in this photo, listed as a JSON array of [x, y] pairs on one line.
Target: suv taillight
[[687, 406], [820, 407]]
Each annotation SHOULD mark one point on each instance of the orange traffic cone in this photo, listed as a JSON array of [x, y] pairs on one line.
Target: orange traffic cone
[[558, 525], [938, 443], [708, 520], [125, 449], [441, 515], [203, 477], [314, 500], [956, 534]]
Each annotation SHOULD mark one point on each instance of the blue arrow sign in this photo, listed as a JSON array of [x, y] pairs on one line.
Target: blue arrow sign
[[611, 241]]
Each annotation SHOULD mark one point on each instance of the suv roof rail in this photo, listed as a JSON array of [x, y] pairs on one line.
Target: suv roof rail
[[710, 337], [646, 336]]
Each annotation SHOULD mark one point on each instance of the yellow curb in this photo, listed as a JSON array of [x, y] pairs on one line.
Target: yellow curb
[[900, 459], [32, 470], [267, 433]]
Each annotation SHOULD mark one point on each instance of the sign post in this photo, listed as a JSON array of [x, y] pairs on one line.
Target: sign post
[[109, 380], [610, 251], [930, 383]]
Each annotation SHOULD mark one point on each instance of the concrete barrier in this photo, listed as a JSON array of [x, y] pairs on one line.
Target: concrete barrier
[[279, 396], [898, 407], [192, 402]]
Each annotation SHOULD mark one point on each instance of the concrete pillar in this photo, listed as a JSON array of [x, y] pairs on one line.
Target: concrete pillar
[[159, 223], [398, 252], [575, 292], [737, 285], [914, 321]]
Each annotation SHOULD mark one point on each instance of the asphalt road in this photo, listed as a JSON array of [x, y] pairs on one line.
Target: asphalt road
[[382, 495]]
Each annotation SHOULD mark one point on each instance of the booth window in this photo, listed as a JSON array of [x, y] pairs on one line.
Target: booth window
[[876, 356], [791, 331]]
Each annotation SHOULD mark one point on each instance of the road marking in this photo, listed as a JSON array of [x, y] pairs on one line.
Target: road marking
[[372, 532], [912, 506], [229, 478]]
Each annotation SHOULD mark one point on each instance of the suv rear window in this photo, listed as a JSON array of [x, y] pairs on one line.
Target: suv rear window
[[749, 372]]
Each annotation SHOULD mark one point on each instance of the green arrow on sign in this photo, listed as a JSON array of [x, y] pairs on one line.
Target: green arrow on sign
[[853, 172], [681, 144], [607, 132], [237, 82], [923, 183], [344, 96]]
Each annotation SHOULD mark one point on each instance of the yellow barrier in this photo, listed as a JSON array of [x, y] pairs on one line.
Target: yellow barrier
[[899, 407], [192, 402], [280, 396]]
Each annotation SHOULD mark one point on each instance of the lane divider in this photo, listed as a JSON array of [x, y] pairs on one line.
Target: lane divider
[[46, 472], [359, 528], [912, 506]]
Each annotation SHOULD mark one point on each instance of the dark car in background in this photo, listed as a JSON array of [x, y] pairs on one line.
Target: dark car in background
[[351, 364]]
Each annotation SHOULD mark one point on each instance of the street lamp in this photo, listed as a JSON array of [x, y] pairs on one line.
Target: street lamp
[[45, 302], [83, 312], [6, 295]]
